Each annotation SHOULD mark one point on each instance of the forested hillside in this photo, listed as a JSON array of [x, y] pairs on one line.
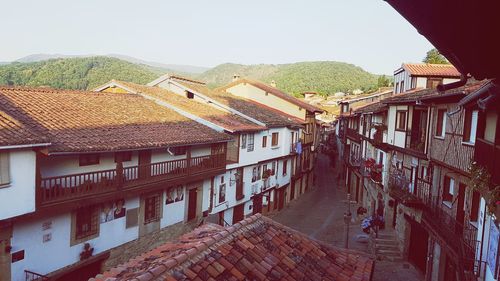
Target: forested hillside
[[75, 73], [325, 77]]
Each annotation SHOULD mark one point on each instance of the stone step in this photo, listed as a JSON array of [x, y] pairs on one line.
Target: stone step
[[385, 241], [394, 258], [387, 235], [387, 247]]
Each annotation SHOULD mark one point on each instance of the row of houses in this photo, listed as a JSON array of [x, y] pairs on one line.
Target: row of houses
[[426, 160], [89, 179]]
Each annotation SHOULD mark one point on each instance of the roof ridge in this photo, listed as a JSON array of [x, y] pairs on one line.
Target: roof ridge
[[193, 254]]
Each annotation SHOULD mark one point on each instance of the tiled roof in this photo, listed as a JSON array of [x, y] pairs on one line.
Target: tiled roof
[[267, 115], [256, 248], [374, 107], [427, 69], [14, 132], [419, 94], [273, 91], [78, 121], [222, 118]]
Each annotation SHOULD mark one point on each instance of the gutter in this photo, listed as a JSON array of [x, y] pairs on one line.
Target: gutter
[[463, 80], [24, 146]]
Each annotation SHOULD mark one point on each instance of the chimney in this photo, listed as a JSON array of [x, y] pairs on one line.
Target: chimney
[[273, 84], [236, 77]]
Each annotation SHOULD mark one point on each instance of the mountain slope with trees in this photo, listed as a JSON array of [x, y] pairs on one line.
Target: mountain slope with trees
[[75, 73], [324, 77]]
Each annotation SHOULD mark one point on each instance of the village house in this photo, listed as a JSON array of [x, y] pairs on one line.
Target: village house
[[270, 96], [423, 76], [408, 159], [91, 179], [260, 159]]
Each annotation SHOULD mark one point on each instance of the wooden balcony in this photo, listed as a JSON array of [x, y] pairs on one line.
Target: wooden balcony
[[353, 135], [487, 155], [53, 191]]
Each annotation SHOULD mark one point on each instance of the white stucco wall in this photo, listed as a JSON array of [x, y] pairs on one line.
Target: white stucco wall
[[46, 257], [18, 197]]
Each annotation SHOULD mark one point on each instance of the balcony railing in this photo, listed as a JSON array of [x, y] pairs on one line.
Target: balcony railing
[[60, 188], [353, 134], [355, 160], [33, 276], [488, 155]]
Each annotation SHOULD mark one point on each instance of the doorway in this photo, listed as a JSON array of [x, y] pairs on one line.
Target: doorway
[[192, 202], [238, 213], [419, 239], [257, 204]]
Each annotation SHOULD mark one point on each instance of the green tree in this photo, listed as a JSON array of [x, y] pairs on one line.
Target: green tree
[[434, 56], [383, 81]]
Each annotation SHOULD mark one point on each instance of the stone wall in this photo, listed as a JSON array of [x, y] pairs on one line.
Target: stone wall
[[123, 253]]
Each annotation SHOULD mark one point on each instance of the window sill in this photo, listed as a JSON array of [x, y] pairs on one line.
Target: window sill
[[5, 185], [439, 137], [447, 204], [468, 143], [275, 147], [400, 130]]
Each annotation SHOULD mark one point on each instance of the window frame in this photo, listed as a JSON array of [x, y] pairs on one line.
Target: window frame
[[264, 141], [275, 139], [469, 133], [285, 168], [475, 206], [398, 120], [440, 123], [87, 160], [448, 189], [243, 144], [149, 216], [5, 178], [90, 214], [125, 156], [250, 142]]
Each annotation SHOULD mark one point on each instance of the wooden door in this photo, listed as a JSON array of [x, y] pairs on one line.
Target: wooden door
[[238, 213], [192, 202], [257, 204], [419, 239], [144, 161], [460, 207], [281, 198]]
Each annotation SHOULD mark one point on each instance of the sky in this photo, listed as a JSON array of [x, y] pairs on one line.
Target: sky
[[367, 33]]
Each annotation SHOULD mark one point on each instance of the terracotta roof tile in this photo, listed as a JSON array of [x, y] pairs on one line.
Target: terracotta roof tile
[[427, 69], [267, 115], [273, 91], [219, 117], [233, 257], [419, 94], [79, 121], [15, 132]]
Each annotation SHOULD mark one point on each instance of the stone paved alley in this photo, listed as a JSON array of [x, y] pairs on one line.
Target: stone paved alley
[[319, 213]]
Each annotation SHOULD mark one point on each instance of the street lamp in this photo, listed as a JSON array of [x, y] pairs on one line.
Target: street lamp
[[347, 220]]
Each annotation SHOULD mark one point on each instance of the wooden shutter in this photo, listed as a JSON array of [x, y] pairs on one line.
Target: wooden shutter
[[467, 125], [4, 168]]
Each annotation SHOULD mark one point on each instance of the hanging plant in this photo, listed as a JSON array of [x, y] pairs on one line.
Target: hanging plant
[[480, 180]]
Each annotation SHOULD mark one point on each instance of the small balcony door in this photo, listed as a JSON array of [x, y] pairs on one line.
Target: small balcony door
[[144, 161], [192, 202]]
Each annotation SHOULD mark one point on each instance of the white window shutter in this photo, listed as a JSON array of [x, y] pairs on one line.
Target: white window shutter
[[4, 168], [473, 126]]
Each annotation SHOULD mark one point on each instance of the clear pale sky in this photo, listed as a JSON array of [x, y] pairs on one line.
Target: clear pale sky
[[368, 33]]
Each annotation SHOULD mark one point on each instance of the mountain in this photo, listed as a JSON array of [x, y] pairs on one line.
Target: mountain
[[75, 73], [324, 77], [177, 68]]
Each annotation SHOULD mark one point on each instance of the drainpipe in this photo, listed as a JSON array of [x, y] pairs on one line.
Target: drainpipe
[[460, 83]]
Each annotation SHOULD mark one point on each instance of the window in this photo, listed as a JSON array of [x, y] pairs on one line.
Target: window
[[275, 139], [189, 95], [264, 170], [470, 126], [397, 88], [178, 150], [124, 156], [152, 208], [474, 209], [250, 144], [441, 123], [243, 141], [264, 141], [86, 222], [4, 168], [432, 83], [413, 82], [273, 170], [401, 120], [88, 159], [285, 163], [402, 89], [448, 189]]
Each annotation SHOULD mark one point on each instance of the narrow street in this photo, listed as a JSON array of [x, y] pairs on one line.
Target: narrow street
[[319, 213]]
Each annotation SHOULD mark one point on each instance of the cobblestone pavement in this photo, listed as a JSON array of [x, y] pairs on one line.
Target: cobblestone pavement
[[319, 213]]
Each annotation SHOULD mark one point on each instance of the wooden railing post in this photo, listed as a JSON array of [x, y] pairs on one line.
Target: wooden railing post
[[188, 159], [119, 174]]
